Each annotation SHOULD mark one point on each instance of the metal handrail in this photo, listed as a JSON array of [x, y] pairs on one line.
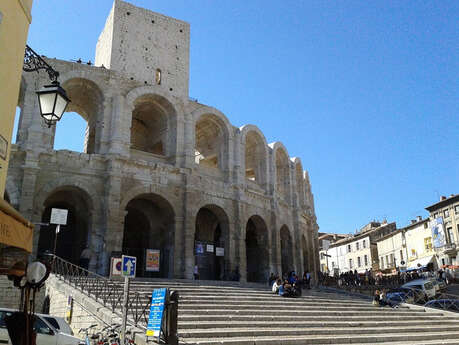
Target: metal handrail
[[106, 291]]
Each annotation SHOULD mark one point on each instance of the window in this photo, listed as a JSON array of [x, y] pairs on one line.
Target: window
[[356, 245], [392, 261], [382, 261], [451, 235], [456, 209], [446, 213], [364, 244], [350, 263], [401, 255], [428, 243], [435, 215], [158, 76], [349, 248], [387, 261], [365, 259], [333, 264], [359, 263], [321, 256], [413, 252], [426, 225]]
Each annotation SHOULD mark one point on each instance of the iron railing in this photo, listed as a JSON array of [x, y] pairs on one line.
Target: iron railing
[[106, 291]]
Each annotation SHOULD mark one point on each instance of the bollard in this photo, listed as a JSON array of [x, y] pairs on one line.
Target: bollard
[[171, 318]]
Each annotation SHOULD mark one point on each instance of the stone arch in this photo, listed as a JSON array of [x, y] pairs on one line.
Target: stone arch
[[286, 245], [87, 100], [212, 134], [211, 229], [75, 235], [255, 155], [149, 223], [299, 179], [257, 249], [281, 167]]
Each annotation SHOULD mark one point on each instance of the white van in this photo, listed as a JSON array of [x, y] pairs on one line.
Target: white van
[[423, 285], [46, 333]]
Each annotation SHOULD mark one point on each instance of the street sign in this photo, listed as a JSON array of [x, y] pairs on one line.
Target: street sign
[[128, 266], [59, 216]]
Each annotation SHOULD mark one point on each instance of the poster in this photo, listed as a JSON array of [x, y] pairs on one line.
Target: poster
[[220, 251], [210, 248], [115, 267], [199, 248], [155, 319], [152, 260], [438, 232]]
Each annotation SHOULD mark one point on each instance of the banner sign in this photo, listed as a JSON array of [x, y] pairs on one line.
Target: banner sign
[[152, 260], [438, 232], [155, 319], [210, 248], [115, 267], [219, 251]]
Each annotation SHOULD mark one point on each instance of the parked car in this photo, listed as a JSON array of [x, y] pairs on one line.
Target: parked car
[[440, 283], [444, 304], [422, 285], [58, 323], [408, 295], [46, 333]]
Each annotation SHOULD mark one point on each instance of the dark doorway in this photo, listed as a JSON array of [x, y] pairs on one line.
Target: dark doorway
[[286, 250], [73, 237], [210, 241], [149, 225], [256, 247]]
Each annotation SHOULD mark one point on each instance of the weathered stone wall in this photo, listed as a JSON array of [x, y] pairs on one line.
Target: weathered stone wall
[[10, 296]]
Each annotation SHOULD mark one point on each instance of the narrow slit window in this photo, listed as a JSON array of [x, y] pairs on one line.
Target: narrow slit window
[[158, 76]]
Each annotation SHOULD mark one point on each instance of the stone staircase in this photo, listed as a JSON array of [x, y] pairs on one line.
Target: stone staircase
[[216, 313]]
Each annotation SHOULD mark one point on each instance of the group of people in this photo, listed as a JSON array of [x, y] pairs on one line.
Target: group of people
[[291, 285], [380, 299]]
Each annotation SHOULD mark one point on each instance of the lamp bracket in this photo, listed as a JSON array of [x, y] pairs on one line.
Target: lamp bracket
[[34, 62]]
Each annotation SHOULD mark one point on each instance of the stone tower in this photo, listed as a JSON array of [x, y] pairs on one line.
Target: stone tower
[[147, 47]]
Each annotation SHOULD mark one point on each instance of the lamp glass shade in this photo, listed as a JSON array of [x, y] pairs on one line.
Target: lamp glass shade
[[53, 101], [47, 103]]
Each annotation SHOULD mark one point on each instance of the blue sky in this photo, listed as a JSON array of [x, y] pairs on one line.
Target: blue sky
[[366, 93]]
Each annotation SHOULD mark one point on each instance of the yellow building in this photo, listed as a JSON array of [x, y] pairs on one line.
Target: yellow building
[[15, 231]]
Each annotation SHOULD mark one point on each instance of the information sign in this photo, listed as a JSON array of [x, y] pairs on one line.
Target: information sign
[[116, 267], [155, 319], [219, 251], [210, 248], [59, 216], [128, 266]]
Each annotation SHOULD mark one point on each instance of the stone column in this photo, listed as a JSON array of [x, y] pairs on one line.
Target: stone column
[[179, 247], [188, 231], [119, 133]]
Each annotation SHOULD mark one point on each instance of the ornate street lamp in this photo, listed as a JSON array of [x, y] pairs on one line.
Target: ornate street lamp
[[52, 98]]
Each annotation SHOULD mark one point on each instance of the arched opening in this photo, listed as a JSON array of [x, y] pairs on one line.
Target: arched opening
[[256, 247], [76, 131], [211, 243], [255, 158], [305, 254], [282, 174], [73, 237], [150, 124], [149, 229], [14, 134], [286, 250], [210, 142], [300, 184]]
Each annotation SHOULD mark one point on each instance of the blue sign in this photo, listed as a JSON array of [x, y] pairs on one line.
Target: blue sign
[[128, 266], [155, 320]]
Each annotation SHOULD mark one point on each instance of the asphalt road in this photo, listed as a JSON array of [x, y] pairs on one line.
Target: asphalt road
[[453, 289]]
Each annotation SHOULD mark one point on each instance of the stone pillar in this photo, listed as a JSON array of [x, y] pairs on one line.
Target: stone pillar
[[297, 242], [188, 231], [188, 142], [119, 133], [276, 264], [104, 125], [179, 247]]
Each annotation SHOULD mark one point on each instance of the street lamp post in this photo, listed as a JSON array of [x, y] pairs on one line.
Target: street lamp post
[[52, 98]]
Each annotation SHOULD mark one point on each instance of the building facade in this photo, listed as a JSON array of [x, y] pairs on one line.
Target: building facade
[[325, 240], [444, 216], [159, 171]]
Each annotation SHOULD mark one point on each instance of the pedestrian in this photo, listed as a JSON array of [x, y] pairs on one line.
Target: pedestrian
[[85, 257], [196, 272]]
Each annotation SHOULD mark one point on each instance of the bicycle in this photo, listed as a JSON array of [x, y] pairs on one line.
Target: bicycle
[[86, 331]]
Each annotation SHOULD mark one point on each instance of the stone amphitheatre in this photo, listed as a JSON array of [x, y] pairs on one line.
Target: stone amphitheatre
[[159, 170]]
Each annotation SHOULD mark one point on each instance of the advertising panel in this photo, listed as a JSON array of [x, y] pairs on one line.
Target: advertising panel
[[152, 260], [438, 232]]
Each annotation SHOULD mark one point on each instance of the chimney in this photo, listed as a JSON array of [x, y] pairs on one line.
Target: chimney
[[442, 198], [419, 218]]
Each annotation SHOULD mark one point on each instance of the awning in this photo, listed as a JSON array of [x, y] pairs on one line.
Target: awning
[[15, 231], [419, 263]]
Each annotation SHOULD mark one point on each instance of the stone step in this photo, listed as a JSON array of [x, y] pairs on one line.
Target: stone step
[[184, 325], [269, 299], [388, 338], [251, 306], [311, 317]]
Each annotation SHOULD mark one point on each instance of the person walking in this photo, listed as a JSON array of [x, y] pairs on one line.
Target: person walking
[[196, 272]]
